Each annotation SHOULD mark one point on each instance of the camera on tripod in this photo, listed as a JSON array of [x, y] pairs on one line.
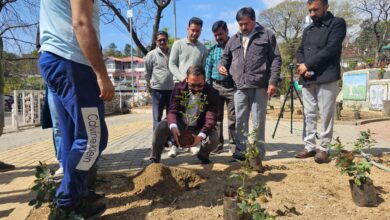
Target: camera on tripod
[[291, 66]]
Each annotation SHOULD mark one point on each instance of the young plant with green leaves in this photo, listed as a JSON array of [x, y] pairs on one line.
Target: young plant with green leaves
[[248, 197], [252, 150], [199, 102], [46, 188], [358, 170]]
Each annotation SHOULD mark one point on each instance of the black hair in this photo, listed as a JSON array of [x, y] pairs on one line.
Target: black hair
[[196, 70], [219, 24], [246, 12], [162, 33], [325, 2], [195, 20]]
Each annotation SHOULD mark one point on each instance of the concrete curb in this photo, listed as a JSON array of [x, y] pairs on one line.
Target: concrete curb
[[362, 122]]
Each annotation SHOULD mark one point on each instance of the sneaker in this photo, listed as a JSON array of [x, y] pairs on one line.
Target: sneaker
[[4, 167], [173, 151], [195, 150], [59, 172]]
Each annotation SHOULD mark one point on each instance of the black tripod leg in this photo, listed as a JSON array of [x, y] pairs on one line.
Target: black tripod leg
[[292, 107], [281, 113]]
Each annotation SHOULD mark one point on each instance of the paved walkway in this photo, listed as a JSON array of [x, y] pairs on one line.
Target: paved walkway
[[129, 147]]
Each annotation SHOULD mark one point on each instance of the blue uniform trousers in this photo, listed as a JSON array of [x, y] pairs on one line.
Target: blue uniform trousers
[[81, 118]]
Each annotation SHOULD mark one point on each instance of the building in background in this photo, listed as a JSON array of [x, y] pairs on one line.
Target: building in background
[[123, 71]]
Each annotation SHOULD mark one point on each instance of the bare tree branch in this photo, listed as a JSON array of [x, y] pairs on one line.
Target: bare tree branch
[[142, 19]]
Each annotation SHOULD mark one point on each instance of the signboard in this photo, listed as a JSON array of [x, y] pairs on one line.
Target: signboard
[[378, 93], [355, 86]]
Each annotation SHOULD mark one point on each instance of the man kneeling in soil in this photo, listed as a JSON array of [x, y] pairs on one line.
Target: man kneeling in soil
[[178, 119]]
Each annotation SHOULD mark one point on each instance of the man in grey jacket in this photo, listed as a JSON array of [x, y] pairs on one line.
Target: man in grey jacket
[[252, 57], [159, 79]]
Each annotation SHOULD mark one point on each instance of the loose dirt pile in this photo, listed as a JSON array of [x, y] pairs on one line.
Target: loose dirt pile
[[301, 189], [160, 181]]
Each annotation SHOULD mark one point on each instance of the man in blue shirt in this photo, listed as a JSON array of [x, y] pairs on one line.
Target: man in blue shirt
[[71, 63], [223, 84]]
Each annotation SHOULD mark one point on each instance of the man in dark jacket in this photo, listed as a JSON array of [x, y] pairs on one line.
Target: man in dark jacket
[[252, 57], [193, 104], [318, 59]]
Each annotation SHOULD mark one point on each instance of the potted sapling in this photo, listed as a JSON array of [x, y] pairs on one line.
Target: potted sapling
[[252, 154], [243, 203], [362, 187], [356, 111], [190, 114]]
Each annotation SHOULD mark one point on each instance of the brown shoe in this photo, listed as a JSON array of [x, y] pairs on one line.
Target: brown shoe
[[322, 157], [305, 154]]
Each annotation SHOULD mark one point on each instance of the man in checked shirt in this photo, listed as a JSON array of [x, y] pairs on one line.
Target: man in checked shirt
[[224, 84]]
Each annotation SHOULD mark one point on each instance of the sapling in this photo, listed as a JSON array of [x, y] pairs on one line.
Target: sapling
[[188, 116], [46, 188]]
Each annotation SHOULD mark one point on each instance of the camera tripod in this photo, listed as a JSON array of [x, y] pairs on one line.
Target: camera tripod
[[290, 92]]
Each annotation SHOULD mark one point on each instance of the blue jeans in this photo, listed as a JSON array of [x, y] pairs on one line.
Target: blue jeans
[[160, 101], [57, 139]]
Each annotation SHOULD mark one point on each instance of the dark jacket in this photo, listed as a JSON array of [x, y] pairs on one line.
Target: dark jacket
[[261, 65], [207, 119], [320, 49]]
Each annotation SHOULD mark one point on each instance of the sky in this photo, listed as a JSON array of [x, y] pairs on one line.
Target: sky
[[208, 10]]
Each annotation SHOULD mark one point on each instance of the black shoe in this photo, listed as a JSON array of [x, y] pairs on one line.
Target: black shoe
[[217, 150], [239, 156], [204, 160], [85, 210], [154, 160], [4, 167], [94, 196]]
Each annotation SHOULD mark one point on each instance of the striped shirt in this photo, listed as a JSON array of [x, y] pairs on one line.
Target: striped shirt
[[212, 61]]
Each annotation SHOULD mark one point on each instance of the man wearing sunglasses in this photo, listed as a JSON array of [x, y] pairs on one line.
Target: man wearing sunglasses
[[158, 77], [205, 134]]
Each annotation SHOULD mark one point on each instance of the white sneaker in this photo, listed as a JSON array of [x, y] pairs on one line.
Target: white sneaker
[[173, 151], [59, 172], [195, 150]]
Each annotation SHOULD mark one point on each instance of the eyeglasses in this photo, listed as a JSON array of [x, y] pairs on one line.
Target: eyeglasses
[[193, 86], [162, 40]]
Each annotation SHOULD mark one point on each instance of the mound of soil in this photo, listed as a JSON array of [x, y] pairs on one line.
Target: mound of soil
[[301, 189], [158, 180]]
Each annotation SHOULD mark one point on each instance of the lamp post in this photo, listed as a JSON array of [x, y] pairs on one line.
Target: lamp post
[[174, 19], [129, 17]]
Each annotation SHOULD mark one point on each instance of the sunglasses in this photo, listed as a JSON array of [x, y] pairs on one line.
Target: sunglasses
[[162, 40], [199, 86]]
